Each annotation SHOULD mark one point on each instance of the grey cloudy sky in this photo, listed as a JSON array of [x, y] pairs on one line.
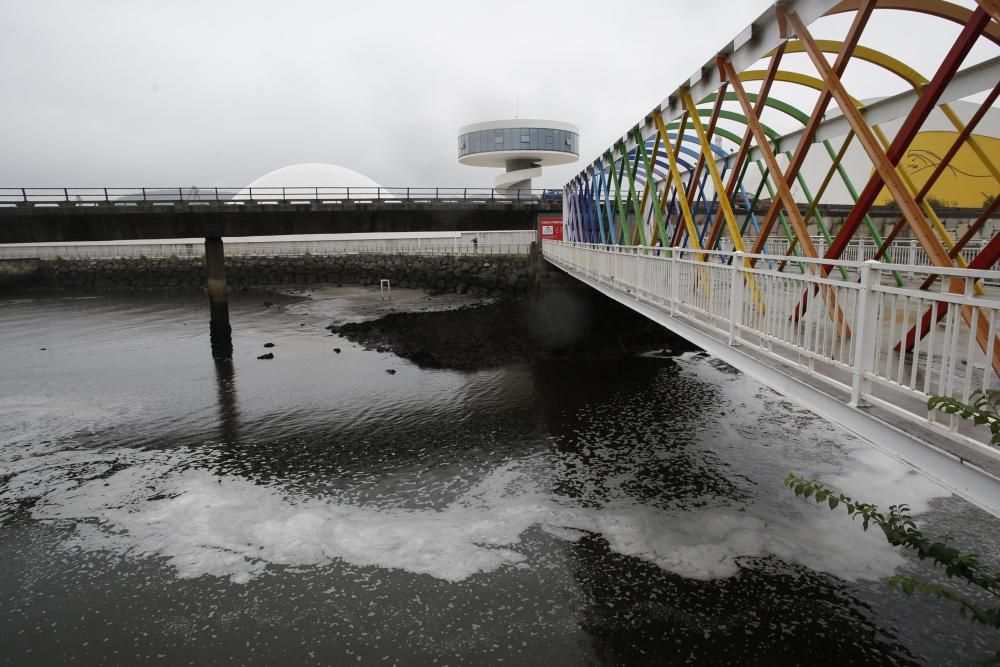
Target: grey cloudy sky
[[151, 93]]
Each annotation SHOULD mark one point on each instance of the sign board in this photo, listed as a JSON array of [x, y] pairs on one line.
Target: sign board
[[550, 227]]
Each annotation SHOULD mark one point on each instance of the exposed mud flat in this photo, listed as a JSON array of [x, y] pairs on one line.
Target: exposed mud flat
[[353, 303], [561, 325]]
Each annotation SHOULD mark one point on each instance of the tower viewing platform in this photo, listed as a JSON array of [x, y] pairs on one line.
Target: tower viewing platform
[[522, 146]]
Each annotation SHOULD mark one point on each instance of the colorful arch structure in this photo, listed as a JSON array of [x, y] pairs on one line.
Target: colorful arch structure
[[668, 182]]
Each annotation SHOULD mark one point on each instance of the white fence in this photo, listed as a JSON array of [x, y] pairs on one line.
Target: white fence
[[501, 242], [906, 251], [850, 336]]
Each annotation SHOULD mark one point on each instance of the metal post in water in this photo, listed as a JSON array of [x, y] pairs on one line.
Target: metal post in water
[[220, 333]]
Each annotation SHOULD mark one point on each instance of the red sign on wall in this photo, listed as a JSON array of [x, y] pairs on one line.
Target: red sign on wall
[[550, 228]]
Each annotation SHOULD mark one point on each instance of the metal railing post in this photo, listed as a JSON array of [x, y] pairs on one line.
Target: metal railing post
[[24, 195], [675, 279], [736, 298], [106, 198], [180, 194], [144, 194], [348, 193], [216, 194], [378, 193], [283, 196], [66, 194], [317, 193], [250, 193], [865, 330]]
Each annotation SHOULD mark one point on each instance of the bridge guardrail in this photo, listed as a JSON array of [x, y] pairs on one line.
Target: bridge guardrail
[[291, 193], [855, 335], [905, 251]]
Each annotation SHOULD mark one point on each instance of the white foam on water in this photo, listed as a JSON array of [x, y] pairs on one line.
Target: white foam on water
[[153, 504], [808, 445], [203, 524]]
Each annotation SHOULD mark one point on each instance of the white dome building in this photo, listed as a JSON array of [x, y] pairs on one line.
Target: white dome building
[[313, 180]]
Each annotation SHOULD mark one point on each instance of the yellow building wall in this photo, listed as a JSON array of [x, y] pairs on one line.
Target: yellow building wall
[[966, 182]]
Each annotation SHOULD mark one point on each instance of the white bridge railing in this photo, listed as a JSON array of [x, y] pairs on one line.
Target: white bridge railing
[[906, 251], [848, 335]]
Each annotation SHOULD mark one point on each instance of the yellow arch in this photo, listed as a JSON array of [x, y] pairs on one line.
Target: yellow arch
[[790, 77], [937, 8], [916, 80], [817, 84], [910, 76]]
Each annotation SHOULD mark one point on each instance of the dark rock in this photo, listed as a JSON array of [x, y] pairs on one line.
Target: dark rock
[[337, 350], [268, 304], [269, 355], [268, 344], [580, 325], [390, 371]]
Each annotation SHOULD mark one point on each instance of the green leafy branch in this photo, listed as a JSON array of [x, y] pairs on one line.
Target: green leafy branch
[[983, 408], [911, 585], [900, 530]]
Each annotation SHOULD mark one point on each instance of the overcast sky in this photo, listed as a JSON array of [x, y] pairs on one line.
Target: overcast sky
[[124, 93]]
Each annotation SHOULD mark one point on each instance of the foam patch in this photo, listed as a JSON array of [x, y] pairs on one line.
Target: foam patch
[[203, 524]]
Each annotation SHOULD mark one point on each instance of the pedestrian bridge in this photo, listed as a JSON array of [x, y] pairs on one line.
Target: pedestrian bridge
[[707, 216]]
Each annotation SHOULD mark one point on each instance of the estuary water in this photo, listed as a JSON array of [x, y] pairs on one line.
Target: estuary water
[[157, 507]]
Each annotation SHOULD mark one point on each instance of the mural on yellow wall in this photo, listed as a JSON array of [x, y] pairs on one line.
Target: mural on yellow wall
[[966, 182]]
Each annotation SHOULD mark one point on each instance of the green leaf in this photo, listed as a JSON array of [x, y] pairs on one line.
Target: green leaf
[[833, 501]]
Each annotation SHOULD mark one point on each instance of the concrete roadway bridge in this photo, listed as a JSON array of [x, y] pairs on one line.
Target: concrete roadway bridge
[[45, 215], [862, 343]]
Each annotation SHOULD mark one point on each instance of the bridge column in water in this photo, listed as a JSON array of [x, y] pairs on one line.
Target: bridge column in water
[[220, 332]]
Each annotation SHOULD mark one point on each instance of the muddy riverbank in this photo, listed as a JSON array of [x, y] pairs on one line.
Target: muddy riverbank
[[562, 325]]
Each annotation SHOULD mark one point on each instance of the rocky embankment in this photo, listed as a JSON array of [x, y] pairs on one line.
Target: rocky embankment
[[488, 276], [565, 324]]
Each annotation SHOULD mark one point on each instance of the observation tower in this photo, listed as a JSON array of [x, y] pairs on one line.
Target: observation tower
[[522, 146]]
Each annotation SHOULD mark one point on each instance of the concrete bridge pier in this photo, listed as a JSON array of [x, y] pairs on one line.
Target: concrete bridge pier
[[221, 334]]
